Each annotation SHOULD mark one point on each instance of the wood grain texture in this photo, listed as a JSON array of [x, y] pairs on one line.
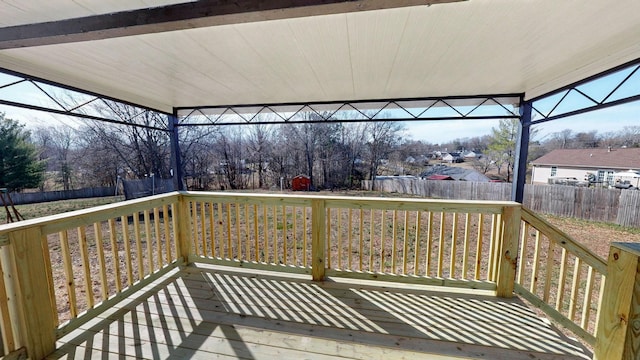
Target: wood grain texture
[[38, 327]]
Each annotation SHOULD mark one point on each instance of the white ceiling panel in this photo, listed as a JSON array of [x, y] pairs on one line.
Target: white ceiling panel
[[474, 47]]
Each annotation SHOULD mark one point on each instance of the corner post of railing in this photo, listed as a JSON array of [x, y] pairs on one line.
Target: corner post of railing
[[183, 234], [37, 310], [618, 329], [508, 251], [318, 239]]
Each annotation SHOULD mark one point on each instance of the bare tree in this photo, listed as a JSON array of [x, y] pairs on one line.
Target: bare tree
[[381, 138], [230, 149], [260, 143]]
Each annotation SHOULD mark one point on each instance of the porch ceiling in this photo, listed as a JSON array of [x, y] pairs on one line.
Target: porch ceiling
[[283, 55]]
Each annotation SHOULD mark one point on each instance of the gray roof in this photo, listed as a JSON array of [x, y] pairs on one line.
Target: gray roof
[[457, 173]]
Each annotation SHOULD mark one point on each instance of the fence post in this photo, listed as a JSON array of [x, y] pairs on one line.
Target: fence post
[[183, 236], [37, 307], [508, 251], [318, 239], [618, 332]]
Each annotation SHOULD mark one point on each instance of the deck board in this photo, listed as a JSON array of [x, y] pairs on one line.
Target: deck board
[[205, 312]]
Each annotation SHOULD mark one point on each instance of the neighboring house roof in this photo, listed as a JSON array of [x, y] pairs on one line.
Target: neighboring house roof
[[439, 177], [456, 173], [592, 158]]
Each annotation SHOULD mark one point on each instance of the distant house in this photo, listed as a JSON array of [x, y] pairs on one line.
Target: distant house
[[471, 155], [453, 157], [600, 163]]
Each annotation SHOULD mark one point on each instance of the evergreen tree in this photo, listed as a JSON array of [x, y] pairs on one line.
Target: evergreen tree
[[19, 164]]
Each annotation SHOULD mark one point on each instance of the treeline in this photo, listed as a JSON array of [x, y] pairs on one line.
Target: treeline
[[333, 155]]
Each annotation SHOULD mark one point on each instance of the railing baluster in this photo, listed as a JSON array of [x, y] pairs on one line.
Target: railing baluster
[[371, 238], [454, 242], [573, 302], [491, 274], [285, 229], [97, 229], [416, 257], [465, 251], [394, 241], [124, 221], [203, 227], [329, 238], [536, 267], [174, 222], [194, 227], [68, 273], [115, 252], [383, 231], [156, 228], [588, 295], [405, 252], [229, 243], [255, 233], [221, 241], [84, 255], [429, 244], [548, 271], [294, 229], [479, 256], [266, 233], [139, 256], [350, 239], [339, 238], [562, 277], [212, 229], [238, 234], [304, 239], [147, 236], [247, 231], [274, 211], [441, 244], [523, 251], [361, 238]]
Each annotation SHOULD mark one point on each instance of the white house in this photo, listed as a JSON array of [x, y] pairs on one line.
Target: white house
[[602, 163]]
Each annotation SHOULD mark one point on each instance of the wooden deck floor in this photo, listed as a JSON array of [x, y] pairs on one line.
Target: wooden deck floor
[[214, 313]]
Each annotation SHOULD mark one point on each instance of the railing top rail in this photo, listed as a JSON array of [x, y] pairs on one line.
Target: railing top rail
[[357, 202], [565, 241], [57, 222]]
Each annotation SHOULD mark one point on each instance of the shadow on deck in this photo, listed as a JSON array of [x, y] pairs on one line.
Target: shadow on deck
[[206, 312]]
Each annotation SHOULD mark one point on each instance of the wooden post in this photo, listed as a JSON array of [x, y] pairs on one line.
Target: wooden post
[[183, 240], [34, 298], [318, 239], [508, 248], [618, 335]]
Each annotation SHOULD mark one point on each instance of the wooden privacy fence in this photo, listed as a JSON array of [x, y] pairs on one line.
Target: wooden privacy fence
[[61, 271], [45, 196], [617, 206]]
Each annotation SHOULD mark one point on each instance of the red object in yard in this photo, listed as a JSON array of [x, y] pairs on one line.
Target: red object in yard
[[301, 183], [439, 177]]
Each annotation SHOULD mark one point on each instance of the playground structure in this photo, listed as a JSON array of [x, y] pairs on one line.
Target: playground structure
[[5, 198]]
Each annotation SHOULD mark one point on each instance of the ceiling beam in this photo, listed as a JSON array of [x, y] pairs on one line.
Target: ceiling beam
[[203, 13]]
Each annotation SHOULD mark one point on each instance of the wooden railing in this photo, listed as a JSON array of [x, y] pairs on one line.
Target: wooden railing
[[59, 271], [452, 243], [559, 276]]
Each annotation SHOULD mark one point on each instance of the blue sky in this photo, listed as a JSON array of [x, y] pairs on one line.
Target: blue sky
[[605, 120]]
